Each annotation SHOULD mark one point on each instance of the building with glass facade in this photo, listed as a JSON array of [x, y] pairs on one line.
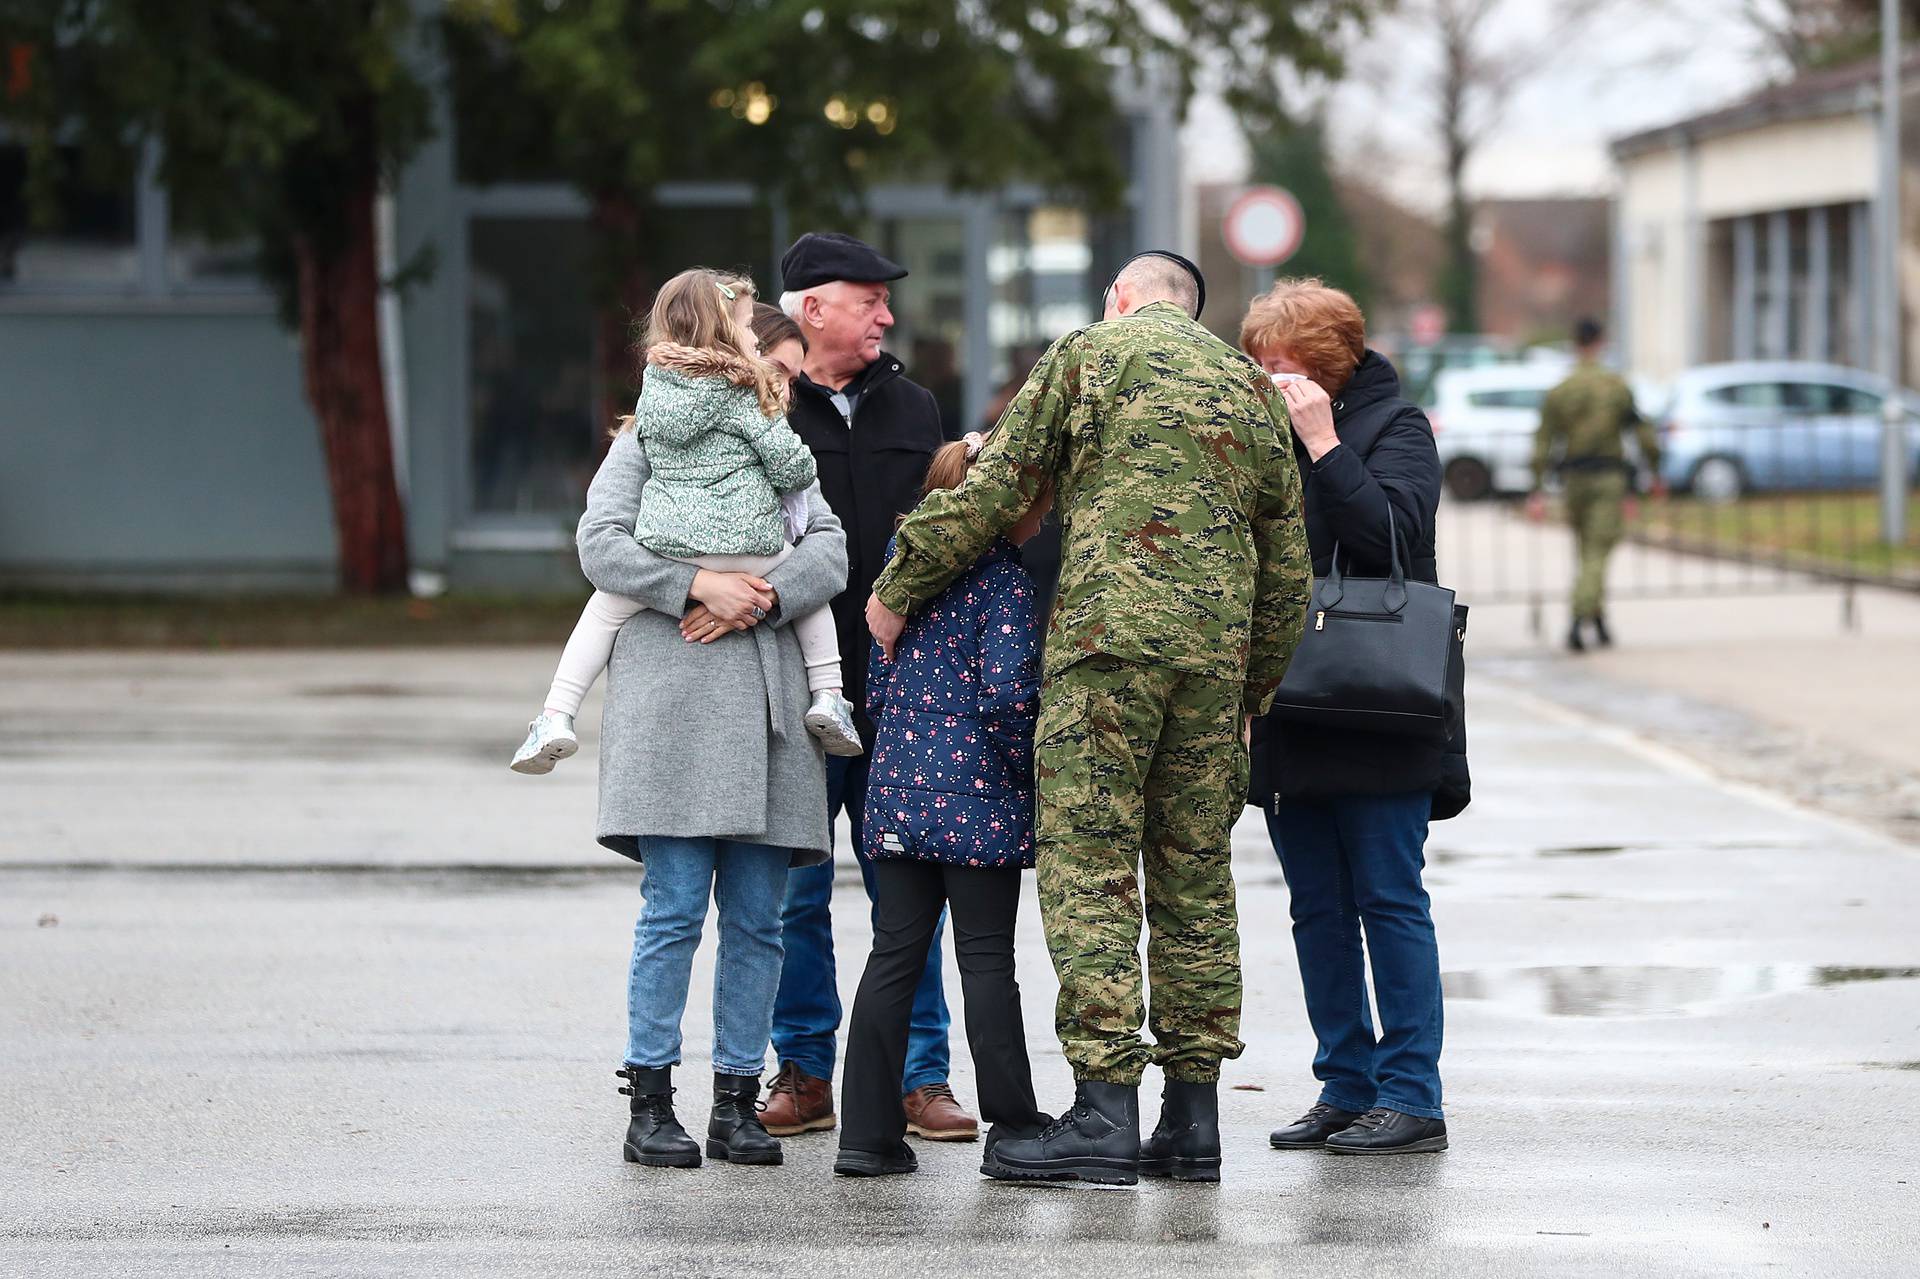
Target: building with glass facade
[[153, 432]]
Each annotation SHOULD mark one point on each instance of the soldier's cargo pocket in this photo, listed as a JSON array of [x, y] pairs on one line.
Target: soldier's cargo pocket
[[1079, 754]]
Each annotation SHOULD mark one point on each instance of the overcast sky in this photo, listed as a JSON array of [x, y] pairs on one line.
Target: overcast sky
[[1646, 67]]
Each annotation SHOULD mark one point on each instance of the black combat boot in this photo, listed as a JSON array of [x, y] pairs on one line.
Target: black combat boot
[[654, 1137], [735, 1134], [1098, 1140], [1574, 643], [1600, 633], [1185, 1145]]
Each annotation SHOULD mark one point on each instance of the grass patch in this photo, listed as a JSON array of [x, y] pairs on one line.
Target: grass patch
[[1834, 532], [53, 620]]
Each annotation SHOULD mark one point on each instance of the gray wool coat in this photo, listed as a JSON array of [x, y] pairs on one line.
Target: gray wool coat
[[706, 739]]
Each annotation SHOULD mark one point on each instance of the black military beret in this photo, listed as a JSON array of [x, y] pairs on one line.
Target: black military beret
[[820, 257], [1199, 281]]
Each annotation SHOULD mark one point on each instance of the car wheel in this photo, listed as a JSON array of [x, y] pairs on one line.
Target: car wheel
[[1468, 479], [1719, 480]]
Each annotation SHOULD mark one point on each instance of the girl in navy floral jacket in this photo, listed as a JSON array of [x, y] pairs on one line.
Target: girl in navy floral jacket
[[949, 824]]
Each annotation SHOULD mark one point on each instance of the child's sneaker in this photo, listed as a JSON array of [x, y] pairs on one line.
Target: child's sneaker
[[831, 720], [550, 739]]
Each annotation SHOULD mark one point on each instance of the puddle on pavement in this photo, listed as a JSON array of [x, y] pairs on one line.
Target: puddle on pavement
[[1892, 1065], [361, 690], [1614, 991], [1585, 850]]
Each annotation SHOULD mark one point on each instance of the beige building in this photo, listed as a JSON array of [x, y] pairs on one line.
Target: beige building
[[1746, 233]]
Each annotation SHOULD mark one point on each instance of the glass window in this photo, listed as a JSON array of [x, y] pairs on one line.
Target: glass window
[[1508, 398], [539, 405], [929, 306], [211, 250], [1040, 273], [79, 232], [530, 364], [1751, 395]]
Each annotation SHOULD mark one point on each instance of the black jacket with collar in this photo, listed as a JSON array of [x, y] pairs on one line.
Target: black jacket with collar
[[870, 473], [1386, 460]]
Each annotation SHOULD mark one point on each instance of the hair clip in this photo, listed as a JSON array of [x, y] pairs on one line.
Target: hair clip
[[974, 442], [725, 289]]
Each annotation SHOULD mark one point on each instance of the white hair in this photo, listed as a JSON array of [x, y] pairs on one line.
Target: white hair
[[794, 301]]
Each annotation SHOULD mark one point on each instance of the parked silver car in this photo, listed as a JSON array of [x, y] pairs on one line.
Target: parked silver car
[[1758, 426], [1484, 421]]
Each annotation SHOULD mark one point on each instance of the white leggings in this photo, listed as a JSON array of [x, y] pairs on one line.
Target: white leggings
[[591, 644]]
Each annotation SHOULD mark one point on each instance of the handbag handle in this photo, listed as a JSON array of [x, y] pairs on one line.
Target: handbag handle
[[1334, 587]]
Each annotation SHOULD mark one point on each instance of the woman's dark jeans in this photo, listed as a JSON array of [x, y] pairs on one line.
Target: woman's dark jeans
[[1356, 861], [909, 896]]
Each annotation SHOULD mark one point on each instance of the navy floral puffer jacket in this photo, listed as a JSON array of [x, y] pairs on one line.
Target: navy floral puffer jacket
[[952, 773]]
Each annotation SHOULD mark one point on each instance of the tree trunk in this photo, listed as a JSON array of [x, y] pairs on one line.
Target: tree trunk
[[621, 313], [340, 352]]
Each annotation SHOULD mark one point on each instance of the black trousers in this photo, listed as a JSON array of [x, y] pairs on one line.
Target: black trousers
[[909, 896]]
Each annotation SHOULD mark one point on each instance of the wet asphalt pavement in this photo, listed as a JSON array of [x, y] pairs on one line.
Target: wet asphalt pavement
[[295, 977]]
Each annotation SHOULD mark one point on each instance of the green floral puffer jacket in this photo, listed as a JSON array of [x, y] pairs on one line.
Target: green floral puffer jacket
[[719, 464]]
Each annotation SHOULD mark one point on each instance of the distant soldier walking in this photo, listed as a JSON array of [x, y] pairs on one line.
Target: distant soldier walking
[[1582, 421], [1183, 587]]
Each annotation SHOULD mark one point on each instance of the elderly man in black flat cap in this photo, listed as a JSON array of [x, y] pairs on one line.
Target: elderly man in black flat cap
[[872, 431]]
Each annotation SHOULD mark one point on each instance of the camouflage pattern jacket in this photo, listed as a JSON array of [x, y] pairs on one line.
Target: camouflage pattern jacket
[[1179, 503], [1581, 422]]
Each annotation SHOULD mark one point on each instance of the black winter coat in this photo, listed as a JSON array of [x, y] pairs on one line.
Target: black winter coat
[[1386, 456], [870, 474]]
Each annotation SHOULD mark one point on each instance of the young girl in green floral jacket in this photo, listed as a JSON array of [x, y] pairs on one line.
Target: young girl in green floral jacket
[[721, 455]]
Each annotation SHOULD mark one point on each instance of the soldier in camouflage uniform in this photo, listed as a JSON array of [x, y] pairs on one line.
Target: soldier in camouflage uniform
[[1582, 421], [1184, 583]]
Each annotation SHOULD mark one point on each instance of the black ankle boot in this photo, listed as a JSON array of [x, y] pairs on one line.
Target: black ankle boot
[[735, 1134], [654, 1137], [1098, 1140], [1600, 632], [1186, 1144], [1574, 643]]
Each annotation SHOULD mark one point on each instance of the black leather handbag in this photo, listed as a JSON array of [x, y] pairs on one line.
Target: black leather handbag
[[1376, 655]]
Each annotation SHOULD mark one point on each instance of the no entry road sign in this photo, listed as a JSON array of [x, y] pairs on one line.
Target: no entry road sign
[[1264, 226]]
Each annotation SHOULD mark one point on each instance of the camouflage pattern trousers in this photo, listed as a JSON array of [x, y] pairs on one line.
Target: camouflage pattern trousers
[[1596, 503], [1141, 772]]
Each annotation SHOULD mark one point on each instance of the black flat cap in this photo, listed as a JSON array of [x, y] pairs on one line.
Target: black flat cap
[[820, 257]]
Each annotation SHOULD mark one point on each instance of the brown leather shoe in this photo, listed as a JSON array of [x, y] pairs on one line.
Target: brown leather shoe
[[797, 1102], [933, 1113]]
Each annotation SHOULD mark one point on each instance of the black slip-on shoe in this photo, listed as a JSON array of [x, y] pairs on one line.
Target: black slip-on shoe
[[866, 1163]]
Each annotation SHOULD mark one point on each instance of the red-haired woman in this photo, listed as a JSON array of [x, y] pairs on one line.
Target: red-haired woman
[[1348, 810]]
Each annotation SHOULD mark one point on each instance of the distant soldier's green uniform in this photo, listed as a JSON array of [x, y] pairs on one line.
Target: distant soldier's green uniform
[[1184, 583], [1582, 422]]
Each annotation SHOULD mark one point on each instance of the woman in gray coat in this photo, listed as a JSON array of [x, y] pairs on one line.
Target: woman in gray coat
[[709, 776]]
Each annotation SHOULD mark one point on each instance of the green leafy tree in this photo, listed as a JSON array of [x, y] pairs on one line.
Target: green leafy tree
[[276, 119], [1296, 158], [812, 99]]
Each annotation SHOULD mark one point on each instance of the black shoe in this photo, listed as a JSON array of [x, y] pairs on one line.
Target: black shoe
[[1098, 1140], [654, 1136], [1185, 1145], [865, 1163], [1574, 643], [1311, 1130], [1600, 632], [1388, 1132], [735, 1134]]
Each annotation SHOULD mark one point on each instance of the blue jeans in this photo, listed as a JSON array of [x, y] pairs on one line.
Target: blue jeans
[[747, 882], [806, 1013], [1352, 861]]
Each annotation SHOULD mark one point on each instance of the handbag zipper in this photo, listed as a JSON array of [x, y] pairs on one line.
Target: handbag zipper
[[1320, 618]]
